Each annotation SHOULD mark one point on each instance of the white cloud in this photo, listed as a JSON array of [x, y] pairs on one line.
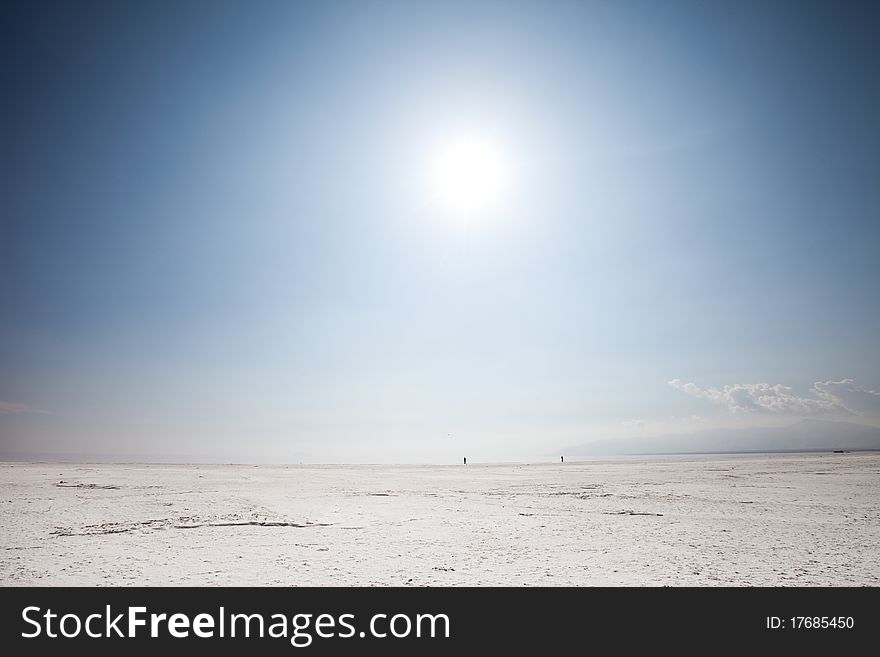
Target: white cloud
[[14, 408], [849, 396], [842, 397]]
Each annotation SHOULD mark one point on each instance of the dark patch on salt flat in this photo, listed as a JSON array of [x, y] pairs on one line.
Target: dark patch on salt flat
[[179, 523], [255, 523], [630, 513]]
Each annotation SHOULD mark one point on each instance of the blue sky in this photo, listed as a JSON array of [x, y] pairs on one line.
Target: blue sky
[[218, 243]]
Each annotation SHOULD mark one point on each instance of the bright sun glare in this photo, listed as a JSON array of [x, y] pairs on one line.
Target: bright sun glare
[[468, 174]]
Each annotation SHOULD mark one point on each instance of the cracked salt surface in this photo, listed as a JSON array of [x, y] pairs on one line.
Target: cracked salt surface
[[793, 519]]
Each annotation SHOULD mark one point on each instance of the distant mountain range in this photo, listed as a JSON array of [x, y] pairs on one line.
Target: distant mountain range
[[806, 435]]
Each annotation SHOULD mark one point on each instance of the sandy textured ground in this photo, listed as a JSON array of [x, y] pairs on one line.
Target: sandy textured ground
[[799, 520]]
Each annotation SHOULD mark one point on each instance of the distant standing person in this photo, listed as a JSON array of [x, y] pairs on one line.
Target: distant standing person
[[562, 459], [465, 460]]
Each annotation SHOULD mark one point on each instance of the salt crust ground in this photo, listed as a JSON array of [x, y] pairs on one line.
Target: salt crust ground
[[798, 520]]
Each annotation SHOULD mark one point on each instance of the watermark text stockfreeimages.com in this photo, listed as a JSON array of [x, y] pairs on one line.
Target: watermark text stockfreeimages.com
[[300, 629]]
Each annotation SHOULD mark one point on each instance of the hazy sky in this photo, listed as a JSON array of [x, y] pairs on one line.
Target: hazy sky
[[219, 241]]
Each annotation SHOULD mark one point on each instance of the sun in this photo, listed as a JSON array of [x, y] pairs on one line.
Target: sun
[[468, 174]]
